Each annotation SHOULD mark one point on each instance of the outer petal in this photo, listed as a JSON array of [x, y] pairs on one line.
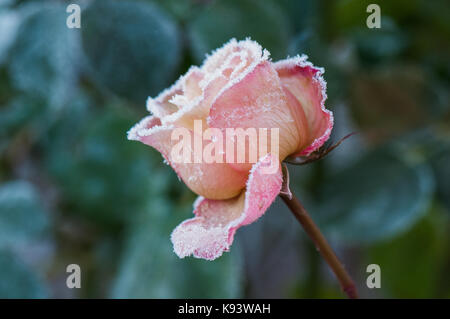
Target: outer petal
[[212, 230], [306, 89], [215, 180], [257, 101]]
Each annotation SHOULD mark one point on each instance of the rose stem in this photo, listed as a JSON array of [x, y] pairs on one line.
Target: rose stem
[[321, 244]]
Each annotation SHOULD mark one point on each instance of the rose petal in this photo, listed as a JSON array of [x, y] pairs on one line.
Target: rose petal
[[161, 105], [212, 180], [304, 81], [186, 87], [257, 101], [196, 109], [211, 231], [225, 66]]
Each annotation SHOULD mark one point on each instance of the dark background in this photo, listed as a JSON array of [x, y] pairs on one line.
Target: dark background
[[74, 190]]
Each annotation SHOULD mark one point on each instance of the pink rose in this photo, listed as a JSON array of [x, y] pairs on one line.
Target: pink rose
[[236, 87]]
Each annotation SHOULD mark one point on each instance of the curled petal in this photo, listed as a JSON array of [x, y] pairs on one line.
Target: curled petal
[[257, 101], [200, 86], [306, 91], [212, 230], [197, 108], [161, 106], [212, 180], [170, 101]]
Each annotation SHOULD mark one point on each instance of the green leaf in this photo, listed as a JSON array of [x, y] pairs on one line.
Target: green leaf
[[26, 114], [43, 61], [133, 47], [302, 13], [441, 169], [22, 216], [220, 21], [380, 44], [5, 3], [411, 264], [377, 198], [102, 175], [9, 22], [182, 10], [19, 280], [150, 268], [430, 144]]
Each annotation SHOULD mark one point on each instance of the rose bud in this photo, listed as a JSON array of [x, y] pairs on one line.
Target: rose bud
[[237, 87]]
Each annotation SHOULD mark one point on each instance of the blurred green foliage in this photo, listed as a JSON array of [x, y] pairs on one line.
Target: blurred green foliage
[[75, 190], [19, 281], [220, 21], [133, 47], [22, 216], [149, 267], [374, 199]]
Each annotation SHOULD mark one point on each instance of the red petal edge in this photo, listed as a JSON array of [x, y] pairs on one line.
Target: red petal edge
[[211, 231], [300, 66]]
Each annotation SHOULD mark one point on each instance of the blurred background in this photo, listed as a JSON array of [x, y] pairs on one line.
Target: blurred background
[[74, 190]]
